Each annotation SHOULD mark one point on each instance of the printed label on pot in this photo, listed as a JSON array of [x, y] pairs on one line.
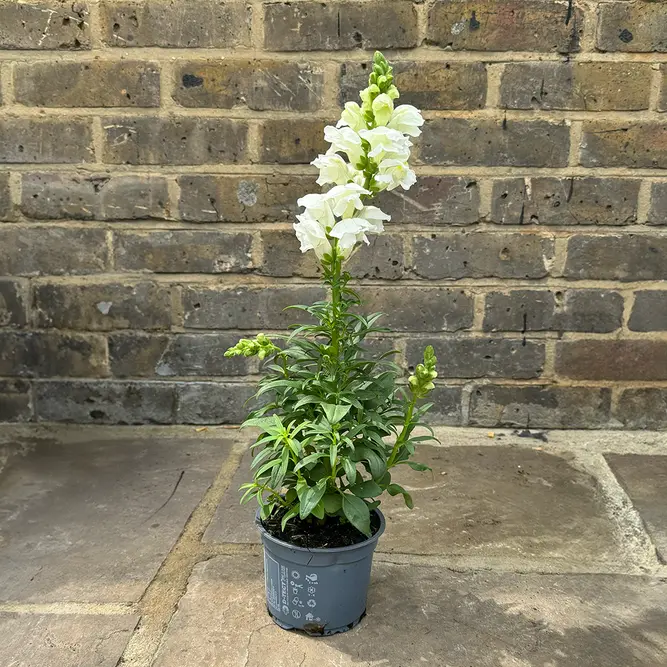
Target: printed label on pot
[[271, 577]]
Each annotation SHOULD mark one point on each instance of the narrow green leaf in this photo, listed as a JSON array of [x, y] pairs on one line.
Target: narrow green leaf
[[333, 454], [357, 513], [350, 470], [288, 515], [310, 498], [368, 489], [395, 489], [311, 458], [335, 413], [417, 466]]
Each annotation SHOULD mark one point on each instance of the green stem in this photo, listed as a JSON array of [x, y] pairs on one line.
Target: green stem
[[274, 493], [335, 300], [401, 438]]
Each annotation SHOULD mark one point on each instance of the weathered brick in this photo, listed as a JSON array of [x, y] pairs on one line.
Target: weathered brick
[[434, 200], [492, 143], [540, 406], [446, 409], [94, 83], [15, 401], [382, 258], [426, 85], [292, 141], [47, 354], [635, 145], [213, 402], [612, 359], [318, 26], [251, 198], [419, 308], [657, 214], [642, 408], [148, 355], [51, 196], [261, 85], [13, 303], [54, 24], [481, 357], [482, 255], [565, 201], [30, 140], [246, 307], [153, 140], [589, 86], [662, 99], [104, 402], [594, 311], [632, 26], [102, 306], [5, 197], [194, 24], [649, 312], [613, 257], [52, 251], [506, 25], [183, 251]]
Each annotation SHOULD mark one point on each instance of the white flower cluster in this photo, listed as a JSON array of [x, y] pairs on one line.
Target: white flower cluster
[[369, 153]]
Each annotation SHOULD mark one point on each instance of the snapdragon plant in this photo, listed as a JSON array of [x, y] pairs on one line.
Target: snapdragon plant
[[336, 424]]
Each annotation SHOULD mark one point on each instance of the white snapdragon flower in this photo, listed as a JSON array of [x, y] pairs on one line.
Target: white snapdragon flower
[[344, 140], [353, 117], [386, 142], [375, 217], [333, 169], [346, 199], [406, 119], [318, 207], [383, 107], [312, 235], [349, 232], [392, 173]]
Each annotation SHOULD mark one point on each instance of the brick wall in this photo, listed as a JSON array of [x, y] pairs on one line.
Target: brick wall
[[151, 153]]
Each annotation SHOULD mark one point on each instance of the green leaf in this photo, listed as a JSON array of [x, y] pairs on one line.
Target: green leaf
[[333, 453], [288, 515], [417, 466], [395, 489], [261, 422], [350, 470], [335, 413], [311, 458], [318, 510], [368, 489], [332, 502], [310, 498], [357, 513]]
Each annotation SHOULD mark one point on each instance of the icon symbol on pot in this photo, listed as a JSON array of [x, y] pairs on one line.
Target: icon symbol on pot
[[285, 609], [311, 603], [296, 602], [296, 613], [311, 590], [296, 575], [312, 578], [309, 616]]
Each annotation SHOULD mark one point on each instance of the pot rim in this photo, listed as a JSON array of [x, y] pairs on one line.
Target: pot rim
[[331, 550]]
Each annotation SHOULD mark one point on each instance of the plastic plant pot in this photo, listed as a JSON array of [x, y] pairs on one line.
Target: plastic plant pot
[[319, 591]]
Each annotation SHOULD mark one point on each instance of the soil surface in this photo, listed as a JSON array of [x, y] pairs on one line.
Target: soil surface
[[315, 535]]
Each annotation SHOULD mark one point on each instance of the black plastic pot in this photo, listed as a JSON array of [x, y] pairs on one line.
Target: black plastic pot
[[319, 591]]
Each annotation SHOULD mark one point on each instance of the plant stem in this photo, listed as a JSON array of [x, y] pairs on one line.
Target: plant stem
[[401, 438], [336, 266]]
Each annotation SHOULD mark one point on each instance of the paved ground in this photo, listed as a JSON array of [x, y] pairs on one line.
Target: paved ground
[[126, 546]]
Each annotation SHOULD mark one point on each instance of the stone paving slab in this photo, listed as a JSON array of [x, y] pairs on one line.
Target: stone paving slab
[[63, 640], [496, 501], [428, 616], [93, 521], [644, 479]]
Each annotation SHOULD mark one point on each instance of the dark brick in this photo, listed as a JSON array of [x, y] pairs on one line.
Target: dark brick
[[30, 140], [649, 312], [642, 408], [52, 250], [47, 354], [213, 402], [492, 143], [183, 251], [44, 25], [292, 141], [93, 83], [153, 140], [434, 200], [50, 196], [587, 86], [246, 307], [425, 84], [251, 198], [419, 308], [612, 359], [662, 99], [657, 214], [194, 24], [15, 401], [318, 26], [102, 306], [626, 258], [446, 409], [482, 255], [593, 311], [632, 26], [382, 258], [105, 402], [261, 85], [5, 197], [505, 25], [481, 357], [635, 145], [565, 201], [540, 407], [12, 303], [197, 354]]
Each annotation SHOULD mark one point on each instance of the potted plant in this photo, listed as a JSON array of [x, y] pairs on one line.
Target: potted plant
[[336, 424]]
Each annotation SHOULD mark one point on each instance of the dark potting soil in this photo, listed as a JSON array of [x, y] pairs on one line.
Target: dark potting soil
[[315, 535]]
